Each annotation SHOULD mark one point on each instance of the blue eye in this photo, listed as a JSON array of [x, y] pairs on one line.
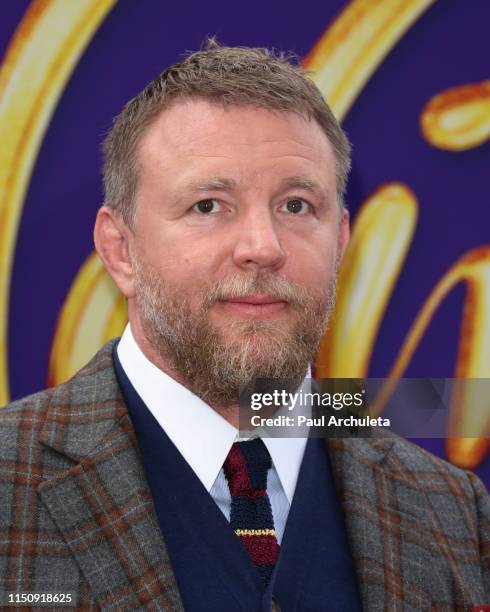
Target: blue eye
[[296, 206], [206, 206]]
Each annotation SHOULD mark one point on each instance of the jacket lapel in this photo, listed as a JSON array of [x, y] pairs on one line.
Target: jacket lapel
[[384, 516], [101, 502]]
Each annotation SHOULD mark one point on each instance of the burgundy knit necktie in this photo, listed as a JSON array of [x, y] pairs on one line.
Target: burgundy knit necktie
[[246, 470]]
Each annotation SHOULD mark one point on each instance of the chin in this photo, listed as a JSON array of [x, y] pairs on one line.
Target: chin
[[256, 332]]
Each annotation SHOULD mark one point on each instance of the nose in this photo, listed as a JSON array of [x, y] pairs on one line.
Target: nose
[[258, 244]]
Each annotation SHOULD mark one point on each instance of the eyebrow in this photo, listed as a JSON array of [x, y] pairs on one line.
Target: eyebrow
[[216, 183], [301, 182]]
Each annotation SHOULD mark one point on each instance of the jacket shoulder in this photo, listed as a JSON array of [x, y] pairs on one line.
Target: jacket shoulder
[[413, 464], [99, 364], [22, 421], [23, 413]]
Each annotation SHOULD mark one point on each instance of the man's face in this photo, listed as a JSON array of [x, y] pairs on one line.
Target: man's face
[[236, 242]]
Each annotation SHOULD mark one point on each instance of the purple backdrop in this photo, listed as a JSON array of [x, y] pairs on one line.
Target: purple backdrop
[[448, 46]]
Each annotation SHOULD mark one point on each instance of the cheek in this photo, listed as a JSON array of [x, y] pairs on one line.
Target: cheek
[[181, 262], [318, 274], [186, 277], [313, 263], [174, 261]]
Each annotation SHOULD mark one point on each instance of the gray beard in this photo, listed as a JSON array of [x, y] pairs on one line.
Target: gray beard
[[213, 368]]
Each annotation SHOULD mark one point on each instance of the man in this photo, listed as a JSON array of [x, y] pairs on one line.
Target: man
[[128, 487]]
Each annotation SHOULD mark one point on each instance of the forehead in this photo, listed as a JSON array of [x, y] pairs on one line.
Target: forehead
[[194, 134]]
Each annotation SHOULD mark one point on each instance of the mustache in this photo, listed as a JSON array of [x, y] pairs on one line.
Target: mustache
[[244, 284]]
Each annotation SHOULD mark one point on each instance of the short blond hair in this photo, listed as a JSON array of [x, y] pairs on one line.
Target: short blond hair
[[238, 76]]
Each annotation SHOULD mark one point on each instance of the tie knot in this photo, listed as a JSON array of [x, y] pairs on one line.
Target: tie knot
[[246, 468]]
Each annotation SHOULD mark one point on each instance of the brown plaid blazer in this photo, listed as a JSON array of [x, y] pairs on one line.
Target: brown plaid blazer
[[77, 516]]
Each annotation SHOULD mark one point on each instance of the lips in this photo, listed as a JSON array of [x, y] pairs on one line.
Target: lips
[[256, 299], [254, 306]]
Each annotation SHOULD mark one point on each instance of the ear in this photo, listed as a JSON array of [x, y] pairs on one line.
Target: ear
[[344, 234], [112, 237]]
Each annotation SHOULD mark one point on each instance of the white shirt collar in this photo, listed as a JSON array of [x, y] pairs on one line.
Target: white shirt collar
[[202, 436]]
